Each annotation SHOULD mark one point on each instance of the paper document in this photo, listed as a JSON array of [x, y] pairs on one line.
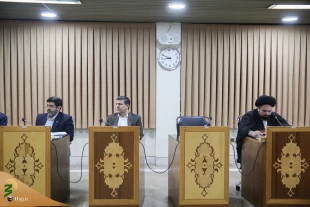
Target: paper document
[[58, 133]]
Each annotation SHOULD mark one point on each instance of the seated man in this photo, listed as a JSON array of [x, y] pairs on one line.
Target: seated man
[[58, 121], [123, 117], [257, 120], [3, 119]]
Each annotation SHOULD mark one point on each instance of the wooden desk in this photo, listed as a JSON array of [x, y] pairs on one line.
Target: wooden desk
[[281, 175], [253, 186], [199, 175], [60, 189]]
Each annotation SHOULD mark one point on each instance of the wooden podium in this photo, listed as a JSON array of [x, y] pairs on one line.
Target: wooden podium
[[116, 167], [281, 176], [28, 154], [199, 175]]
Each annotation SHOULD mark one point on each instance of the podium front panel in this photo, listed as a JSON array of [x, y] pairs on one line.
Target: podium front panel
[[113, 170], [288, 165], [25, 154], [114, 166], [204, 165]]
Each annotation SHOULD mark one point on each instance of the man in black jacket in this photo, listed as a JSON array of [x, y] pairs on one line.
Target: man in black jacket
[[58, 121], [253, 122]]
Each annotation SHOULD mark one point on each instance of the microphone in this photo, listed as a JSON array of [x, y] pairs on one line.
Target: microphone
[[101, 120], [25, 120], [278, 120]]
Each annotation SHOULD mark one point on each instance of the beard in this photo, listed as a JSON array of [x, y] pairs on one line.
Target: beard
[[51, 113], [266, 117]]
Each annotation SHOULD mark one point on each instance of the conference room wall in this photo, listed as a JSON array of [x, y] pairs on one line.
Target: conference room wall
[[226, 67], [87, 64]]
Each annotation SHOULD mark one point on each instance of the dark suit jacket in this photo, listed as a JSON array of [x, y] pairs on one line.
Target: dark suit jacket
[[62, 123], [3, 119], [133, 120]]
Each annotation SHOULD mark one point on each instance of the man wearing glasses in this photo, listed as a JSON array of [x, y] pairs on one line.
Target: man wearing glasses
[[58, 121]]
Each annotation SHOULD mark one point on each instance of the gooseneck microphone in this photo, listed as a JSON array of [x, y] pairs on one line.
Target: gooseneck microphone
[[101, 120], [25, 120], [278, 120]]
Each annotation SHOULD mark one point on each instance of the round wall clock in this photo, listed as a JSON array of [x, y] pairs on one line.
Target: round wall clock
[[169, 58]]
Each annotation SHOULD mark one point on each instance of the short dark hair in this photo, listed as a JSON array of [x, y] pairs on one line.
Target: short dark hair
[[125, 99], [56, 100]]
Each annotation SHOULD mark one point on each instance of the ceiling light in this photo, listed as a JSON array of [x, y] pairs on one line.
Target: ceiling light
[[176, 6], [289, 19], [48, 14], [274, 6], [45, 1]]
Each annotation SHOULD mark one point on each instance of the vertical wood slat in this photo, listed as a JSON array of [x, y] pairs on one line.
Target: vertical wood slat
[[71, 70], [84, 79], [40, 77], [189, 71], [152, 88], [195, 73], [219, 74], [146, 77], [90, 75], [20, 70], [307, 87], [183, 71], [97, 83], [208, 73], [87, 64], [103, 52], [232, 77], [134, 62], [140, 70], [78, 79], [296, 93], [65, 67], [270, 60], [14, 73], [201, 59], [34, 71], [7, 70], [2, 84], [27, 73], [213, 72]]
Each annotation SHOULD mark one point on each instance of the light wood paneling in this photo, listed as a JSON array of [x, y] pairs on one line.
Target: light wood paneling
[[31, 163], [199, 175]]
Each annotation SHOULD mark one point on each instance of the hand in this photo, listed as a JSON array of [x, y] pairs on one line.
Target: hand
[[255, 134]]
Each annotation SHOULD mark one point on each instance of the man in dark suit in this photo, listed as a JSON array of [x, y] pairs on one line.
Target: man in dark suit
[[3, 119], [58, 121], [123, 117]]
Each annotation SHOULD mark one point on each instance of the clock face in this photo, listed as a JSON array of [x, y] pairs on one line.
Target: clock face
[[169, 58]]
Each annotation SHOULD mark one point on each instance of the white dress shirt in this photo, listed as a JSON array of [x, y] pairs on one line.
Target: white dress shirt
[[122, 121], [265, 124], [50, 122]]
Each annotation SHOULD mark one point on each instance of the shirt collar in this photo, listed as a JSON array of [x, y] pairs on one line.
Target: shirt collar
[[123, 117], [54, 117]]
